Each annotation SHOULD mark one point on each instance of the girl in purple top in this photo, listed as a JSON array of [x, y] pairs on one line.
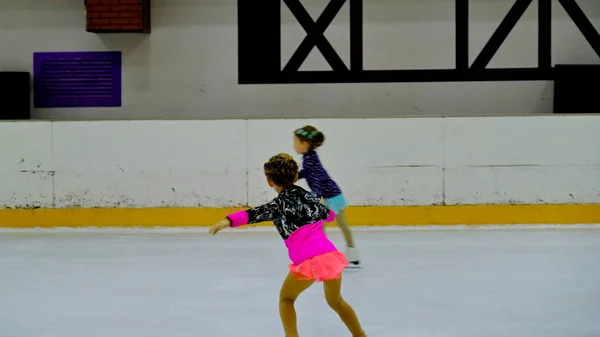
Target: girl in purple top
[[298, 216], [306, 141]]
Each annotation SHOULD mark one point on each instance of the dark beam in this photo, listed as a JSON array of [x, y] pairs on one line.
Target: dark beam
[[505, 27], [545, 33], [411, 76], [462, 34], [356, 35], [259, 39]]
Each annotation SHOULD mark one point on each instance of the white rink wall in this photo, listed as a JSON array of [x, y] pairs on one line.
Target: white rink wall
[[377, 162]]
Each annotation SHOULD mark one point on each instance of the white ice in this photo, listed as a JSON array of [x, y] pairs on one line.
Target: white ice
[[501, 282]]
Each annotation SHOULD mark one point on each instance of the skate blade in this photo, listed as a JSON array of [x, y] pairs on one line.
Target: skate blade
[[354, 266]]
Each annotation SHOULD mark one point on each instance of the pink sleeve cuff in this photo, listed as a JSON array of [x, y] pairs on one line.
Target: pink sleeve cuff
[[331, 216], [239, 218]]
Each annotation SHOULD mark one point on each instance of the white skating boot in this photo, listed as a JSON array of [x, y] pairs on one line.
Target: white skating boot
[[352, 255]]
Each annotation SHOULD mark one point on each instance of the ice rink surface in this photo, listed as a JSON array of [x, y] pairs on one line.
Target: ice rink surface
[[507, 282]]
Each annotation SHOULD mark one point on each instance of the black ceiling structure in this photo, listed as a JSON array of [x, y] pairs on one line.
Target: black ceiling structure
[[259, 46]]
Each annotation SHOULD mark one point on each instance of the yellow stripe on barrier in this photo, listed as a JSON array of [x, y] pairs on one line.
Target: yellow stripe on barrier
[[356, 216]]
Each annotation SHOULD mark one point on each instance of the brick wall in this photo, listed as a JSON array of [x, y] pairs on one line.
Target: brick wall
[[118, 16]]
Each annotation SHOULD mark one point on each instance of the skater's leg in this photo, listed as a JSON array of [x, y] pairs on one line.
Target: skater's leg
[[337, 204], [333, 295], [341, 222], [290, 290], [351, 252]]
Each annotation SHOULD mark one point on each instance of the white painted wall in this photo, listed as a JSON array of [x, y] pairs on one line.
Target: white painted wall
[[187, 67], [401, 161]]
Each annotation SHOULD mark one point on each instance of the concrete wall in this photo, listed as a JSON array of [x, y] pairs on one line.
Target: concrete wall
[[402, 161], [187, 67]]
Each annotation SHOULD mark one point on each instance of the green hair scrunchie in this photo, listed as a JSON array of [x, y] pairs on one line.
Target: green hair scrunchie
[[305, 133]]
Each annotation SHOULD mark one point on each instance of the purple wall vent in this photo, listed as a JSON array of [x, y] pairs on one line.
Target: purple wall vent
[[77, 79]]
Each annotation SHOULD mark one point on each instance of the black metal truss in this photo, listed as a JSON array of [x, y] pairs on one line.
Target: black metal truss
[[259, 46]]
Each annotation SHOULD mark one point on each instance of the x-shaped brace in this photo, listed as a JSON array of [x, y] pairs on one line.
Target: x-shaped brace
[[315, 35]]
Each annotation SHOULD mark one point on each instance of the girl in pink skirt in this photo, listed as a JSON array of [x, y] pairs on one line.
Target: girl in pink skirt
[[298, 216]]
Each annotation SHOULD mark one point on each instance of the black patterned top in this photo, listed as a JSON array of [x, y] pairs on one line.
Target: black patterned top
[[293, 208]]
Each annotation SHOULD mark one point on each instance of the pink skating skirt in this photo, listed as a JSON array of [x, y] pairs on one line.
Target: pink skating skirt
[[320, 268]]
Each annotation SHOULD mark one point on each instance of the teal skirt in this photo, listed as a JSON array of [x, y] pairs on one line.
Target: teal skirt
[[337, 203]]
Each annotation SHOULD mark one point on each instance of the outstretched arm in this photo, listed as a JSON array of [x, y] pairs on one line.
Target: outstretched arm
[[266, 212]]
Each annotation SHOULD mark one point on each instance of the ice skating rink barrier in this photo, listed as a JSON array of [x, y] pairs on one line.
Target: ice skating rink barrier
[[402, 171]]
